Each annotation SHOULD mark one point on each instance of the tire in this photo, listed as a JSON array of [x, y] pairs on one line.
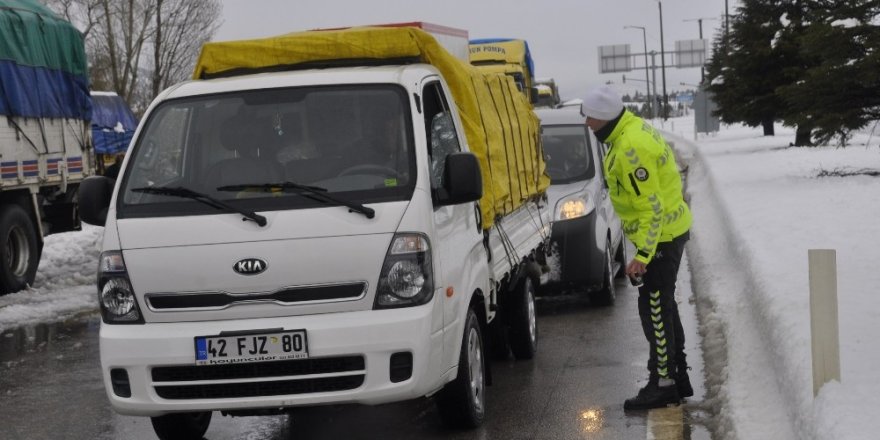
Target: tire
[[462, 402], [523, 324], [182, 426], [20, 254], [620, 257], [607, 294], [499, 343]]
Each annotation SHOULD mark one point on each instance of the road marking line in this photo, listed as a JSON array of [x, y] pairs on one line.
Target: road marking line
[[666, 424]]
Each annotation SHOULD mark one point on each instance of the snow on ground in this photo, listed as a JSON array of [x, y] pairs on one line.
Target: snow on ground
[[758, 206], [65, 283]]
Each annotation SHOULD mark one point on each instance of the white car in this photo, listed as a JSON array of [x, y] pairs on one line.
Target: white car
[[587, 237]]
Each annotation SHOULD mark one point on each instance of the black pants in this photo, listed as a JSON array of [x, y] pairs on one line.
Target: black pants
[[659, 311]]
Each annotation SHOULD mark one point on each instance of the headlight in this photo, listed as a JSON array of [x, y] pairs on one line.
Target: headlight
[[407, 277], [573, 206], [115, 294]]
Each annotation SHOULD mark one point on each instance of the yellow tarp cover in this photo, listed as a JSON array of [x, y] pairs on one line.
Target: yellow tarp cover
[[501, 128]]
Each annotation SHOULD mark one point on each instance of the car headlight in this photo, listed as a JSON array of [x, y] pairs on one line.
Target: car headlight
[[573, 206], [115, 293], [407, 277]]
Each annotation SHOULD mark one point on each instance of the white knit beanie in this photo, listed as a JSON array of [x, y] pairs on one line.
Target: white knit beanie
[[603, 103]]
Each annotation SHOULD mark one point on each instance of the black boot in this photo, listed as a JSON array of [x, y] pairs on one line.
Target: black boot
[[654, 396], [683, 384]]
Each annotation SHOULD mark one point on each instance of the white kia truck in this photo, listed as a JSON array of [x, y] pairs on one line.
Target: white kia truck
[[319, 235]]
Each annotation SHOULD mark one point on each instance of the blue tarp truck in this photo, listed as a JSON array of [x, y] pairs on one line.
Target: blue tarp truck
[[45, 134], [113, 125]]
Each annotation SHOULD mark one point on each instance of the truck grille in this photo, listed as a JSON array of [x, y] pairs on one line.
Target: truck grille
[[166, 376], [221, 300]]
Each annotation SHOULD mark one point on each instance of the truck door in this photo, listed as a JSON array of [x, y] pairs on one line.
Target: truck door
[[456, 228]]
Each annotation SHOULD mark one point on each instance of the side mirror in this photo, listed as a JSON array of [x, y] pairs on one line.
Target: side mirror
[[93, 198], [462, 181]]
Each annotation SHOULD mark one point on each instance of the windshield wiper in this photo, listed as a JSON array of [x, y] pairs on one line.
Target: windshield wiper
[[312, 192], [179, 191]]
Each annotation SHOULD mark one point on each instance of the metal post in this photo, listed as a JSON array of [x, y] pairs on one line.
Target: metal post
[[702, 70], [700, 24], [663, 63], [726, 26], [654, 101], [823, 317], [647, 80]]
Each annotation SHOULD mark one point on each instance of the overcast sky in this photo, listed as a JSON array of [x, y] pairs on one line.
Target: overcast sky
[[563, 34]]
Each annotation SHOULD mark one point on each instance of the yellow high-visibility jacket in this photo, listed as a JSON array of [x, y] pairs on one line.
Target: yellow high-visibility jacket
[[645, 185]]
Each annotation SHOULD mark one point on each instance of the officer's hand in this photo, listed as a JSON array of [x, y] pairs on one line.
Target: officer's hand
[[636, 268]]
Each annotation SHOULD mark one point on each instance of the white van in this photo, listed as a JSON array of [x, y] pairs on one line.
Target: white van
[[587, 239], [303, 238]]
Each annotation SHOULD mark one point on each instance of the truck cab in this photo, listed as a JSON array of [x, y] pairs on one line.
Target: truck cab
[[509, 56]]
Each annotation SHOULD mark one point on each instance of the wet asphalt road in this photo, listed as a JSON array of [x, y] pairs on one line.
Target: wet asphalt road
[[589, 360]]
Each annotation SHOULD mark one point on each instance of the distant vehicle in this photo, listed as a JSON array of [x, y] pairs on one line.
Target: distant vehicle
[[548, 93], [587, 236], [509, 56], [45, 140], [113, 125]]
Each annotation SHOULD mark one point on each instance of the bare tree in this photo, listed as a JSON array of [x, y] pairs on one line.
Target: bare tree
[[181, 28], [121, 34], [84, 14]]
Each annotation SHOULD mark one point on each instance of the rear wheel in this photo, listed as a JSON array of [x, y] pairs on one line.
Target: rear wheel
[[524, 325], [182, 426], [607, 294], [462, 402], [20, 255]]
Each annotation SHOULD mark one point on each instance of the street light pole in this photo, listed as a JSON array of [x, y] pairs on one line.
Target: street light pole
[[663, 62], [647, 79]]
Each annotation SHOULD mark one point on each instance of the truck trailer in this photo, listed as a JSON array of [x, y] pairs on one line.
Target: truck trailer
[[325, 217], [45, 139]]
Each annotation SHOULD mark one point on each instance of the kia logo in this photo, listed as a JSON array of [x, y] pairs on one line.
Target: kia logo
[[249, 266]]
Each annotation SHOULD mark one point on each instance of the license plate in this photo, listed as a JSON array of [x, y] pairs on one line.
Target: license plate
[[250, 347]]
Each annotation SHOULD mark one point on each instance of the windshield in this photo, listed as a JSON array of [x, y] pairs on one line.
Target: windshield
[[353, 141], [567, 153]]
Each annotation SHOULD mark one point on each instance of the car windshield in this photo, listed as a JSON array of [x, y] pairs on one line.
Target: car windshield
[[567, 153], [353, 141]]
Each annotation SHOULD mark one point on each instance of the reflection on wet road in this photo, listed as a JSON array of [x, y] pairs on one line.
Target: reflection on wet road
[[589, 360]]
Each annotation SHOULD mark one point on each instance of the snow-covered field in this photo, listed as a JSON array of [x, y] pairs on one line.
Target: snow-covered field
[[758, 207]]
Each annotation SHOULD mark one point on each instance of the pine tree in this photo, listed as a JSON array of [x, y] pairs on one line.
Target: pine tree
[[749, 65], [841, 92]]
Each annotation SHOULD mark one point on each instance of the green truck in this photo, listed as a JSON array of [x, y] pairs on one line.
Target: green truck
[[45, 138]]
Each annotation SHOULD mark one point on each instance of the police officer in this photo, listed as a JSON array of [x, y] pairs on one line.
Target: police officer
[[646, 192]]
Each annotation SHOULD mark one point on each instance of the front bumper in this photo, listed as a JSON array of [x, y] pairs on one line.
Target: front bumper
[[142, 350], [581, 255]]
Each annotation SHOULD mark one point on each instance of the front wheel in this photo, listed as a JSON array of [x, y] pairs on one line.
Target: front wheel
[[620, 258], [462, 402], [182, 426], [20, 255], [608, 293]]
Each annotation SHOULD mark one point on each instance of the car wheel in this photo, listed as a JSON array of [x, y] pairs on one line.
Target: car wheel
[[606, 295], [524, 325], [182, 426], [20, 255], [620, 258], [462, 402]]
